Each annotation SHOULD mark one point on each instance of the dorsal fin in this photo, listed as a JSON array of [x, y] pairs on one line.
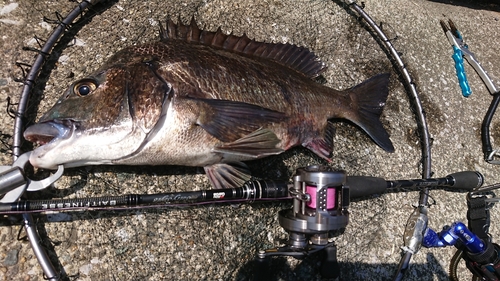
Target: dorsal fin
[[298, 58]]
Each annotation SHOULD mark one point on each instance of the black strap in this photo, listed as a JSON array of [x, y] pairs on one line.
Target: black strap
[[478, 217]]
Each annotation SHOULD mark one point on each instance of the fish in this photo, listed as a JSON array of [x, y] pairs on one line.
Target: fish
[[204, 99]]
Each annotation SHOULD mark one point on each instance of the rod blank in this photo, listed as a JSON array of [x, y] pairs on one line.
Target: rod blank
[[250, 191]]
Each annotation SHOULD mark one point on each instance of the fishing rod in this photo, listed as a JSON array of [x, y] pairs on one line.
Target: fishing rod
[[250, 191], [320, 196], [360, 186]]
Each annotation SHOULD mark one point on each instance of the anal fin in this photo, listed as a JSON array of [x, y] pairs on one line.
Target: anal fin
[[227, 175], [257, 144], [323, 147]]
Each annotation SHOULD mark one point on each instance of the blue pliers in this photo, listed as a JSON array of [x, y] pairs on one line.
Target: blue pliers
[[461, 51]]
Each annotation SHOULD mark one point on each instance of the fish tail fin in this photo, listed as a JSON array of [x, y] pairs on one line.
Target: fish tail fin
[[368, 101]]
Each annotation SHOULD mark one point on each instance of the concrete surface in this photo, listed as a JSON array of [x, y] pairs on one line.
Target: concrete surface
[[220, 242]]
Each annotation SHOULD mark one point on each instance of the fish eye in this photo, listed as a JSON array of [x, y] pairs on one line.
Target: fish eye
[[84, 87]]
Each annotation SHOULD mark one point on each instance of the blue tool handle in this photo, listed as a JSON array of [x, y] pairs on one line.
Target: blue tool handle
[[459, 67]]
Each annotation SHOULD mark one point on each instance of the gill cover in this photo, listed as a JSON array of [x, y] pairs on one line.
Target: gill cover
[[106, 116]]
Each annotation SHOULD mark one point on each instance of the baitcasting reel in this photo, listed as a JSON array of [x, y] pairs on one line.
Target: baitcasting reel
[[321, 198], [320, 202]]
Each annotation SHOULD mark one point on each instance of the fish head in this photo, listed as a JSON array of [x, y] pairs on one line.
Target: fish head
[[100, 118]]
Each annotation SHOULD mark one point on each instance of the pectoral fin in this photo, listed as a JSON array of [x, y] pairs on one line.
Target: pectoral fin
[[228, 175], [259, 143], [229, 121]]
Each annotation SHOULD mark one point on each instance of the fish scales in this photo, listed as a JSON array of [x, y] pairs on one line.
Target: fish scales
[[203, 73], [201, 98]]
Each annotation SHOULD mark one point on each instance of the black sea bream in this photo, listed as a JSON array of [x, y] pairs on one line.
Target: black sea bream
[[199, 98]]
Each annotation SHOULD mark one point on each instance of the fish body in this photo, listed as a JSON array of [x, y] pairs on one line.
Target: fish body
[[199, 98]]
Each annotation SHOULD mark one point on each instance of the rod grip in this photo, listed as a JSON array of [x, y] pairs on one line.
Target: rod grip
[[467, 180], [360, 186]]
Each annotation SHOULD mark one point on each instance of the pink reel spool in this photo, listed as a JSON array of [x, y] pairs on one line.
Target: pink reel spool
[[330, 197]]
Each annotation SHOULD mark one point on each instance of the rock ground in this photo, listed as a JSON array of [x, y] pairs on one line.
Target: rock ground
[[220, 242]]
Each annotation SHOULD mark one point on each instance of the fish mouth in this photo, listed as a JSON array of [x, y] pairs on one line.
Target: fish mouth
[[51, 131]]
